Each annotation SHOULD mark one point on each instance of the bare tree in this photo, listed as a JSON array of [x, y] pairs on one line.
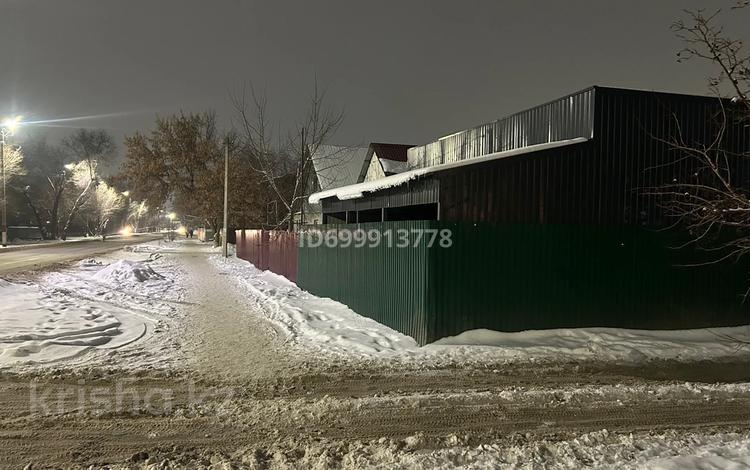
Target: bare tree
[[286, 167], [710, 200], [706, 40], [43, 184], [13, 162]]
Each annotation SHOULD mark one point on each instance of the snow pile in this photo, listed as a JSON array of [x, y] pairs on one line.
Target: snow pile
[[100, 309], [613, 344], [126, 271], [329, 327], [321, 324]]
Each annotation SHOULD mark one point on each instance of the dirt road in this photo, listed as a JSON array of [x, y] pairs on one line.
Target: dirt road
[[242, 395], [81, 423]]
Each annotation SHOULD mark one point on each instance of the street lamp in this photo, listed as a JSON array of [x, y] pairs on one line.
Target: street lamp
[[7, 128]]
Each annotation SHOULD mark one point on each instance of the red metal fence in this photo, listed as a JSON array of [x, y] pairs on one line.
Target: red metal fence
[[271, 250]]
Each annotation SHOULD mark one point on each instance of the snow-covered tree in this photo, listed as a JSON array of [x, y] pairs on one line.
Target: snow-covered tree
[[98, 210], [136, 211], [89, 148], [13, 163]]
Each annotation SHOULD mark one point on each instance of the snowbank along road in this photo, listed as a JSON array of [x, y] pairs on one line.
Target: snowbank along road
[[165, 355], [39, 257]]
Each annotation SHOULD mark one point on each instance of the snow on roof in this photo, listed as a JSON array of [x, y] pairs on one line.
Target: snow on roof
[[337, 166], [356, 191], [392, 166]]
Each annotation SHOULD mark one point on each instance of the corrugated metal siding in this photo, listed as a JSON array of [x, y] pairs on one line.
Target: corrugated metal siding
[[282, 253], [421, 191], [520, 277], [388, 285], [598, 182], [629, 155], [602, 181], [517, 276], [275, 251], [566, 118]]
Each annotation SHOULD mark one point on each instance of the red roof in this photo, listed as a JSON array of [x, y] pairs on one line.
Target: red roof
[[395, 152]]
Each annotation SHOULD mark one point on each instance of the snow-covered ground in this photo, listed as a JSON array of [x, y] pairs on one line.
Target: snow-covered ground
[[147, 306], [600, 449], [670, 450], [331, 329], [98, 306], [107, 305]]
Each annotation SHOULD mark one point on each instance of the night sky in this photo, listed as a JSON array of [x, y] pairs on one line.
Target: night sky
[[403, 71]]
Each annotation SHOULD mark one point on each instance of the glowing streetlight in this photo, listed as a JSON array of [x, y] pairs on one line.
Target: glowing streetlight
[[7, 128], [10, 125]]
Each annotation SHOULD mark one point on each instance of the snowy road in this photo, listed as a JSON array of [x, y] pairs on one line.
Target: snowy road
[[229, 377], [39, 257]]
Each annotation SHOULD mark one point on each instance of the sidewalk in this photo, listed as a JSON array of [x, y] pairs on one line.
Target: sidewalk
[[226, 336]]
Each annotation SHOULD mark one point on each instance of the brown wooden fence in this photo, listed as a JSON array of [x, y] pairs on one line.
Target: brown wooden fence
[[271, 250]]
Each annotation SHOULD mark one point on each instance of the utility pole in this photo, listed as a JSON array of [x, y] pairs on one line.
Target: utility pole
[[226, 200], [303, 177], [2, 170], [7, 127]]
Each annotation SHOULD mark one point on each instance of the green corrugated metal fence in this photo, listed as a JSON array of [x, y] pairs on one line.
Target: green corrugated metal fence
[[388, 285], [517, 277]]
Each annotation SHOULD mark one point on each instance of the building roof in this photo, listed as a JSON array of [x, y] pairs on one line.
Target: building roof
[[392, 158], [356, 191], [395, 152], [337, 166]]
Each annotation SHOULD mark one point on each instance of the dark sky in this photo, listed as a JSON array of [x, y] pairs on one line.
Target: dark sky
[[404, 71]]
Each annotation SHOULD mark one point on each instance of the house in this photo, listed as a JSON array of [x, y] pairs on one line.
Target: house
[[385, 160], [333, 166], [549, 223], [337, 166]]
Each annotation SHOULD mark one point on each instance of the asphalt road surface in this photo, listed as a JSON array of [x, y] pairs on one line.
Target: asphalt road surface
[[40, 257]]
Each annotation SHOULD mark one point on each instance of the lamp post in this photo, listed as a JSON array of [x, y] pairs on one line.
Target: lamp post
[[7, 127], [226, 199]]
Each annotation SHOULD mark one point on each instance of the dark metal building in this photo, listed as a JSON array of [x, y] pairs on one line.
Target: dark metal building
[[597, 181], [550, 220]]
